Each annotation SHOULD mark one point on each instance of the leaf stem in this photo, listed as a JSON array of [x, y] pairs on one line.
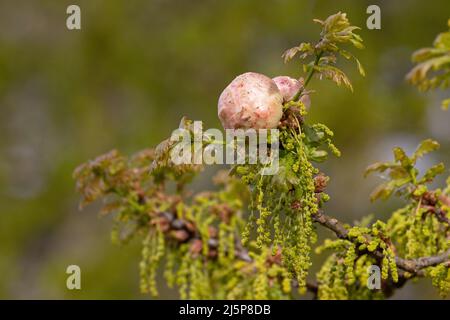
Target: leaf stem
[[309, 76]]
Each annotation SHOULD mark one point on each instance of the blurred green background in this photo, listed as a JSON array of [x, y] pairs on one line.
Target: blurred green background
[[136, 67]]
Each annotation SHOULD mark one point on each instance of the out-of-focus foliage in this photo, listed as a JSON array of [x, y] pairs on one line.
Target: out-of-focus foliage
[[433, 66]]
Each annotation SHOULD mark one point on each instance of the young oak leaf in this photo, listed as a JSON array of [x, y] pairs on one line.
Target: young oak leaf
[[385, 190], [336, 30]]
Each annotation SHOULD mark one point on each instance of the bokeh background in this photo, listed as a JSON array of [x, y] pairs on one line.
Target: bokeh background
[[125, 80]]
